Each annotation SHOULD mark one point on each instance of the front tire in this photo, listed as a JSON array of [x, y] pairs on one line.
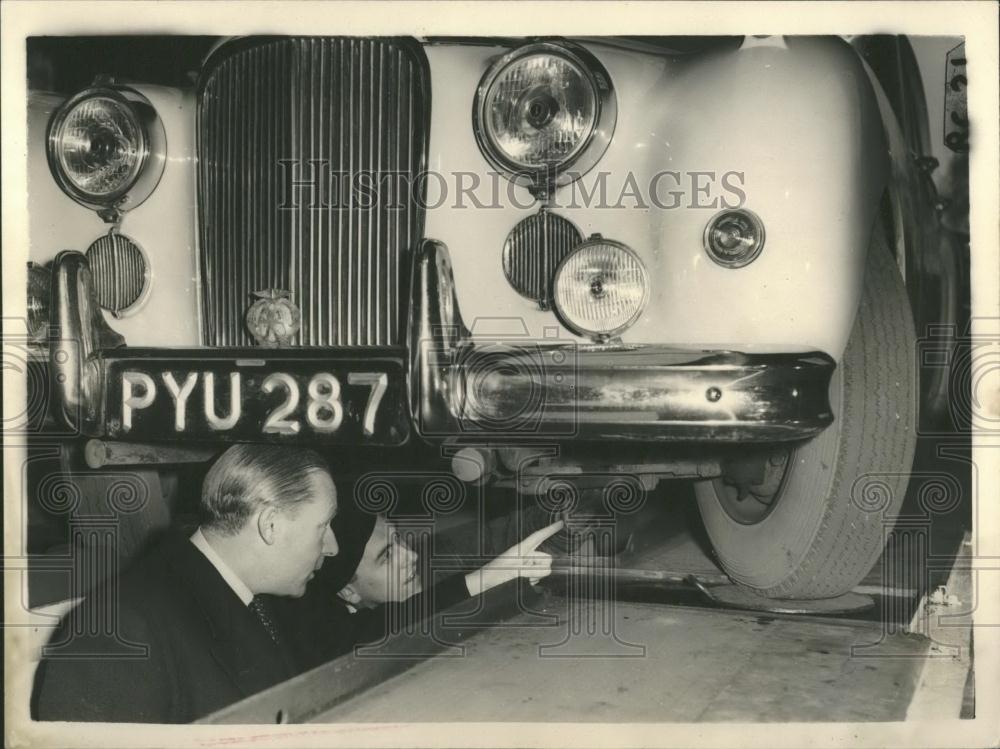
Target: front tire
[[816, 530]]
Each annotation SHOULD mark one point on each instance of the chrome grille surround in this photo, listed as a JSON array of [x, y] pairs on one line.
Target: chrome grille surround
[[274, 110]]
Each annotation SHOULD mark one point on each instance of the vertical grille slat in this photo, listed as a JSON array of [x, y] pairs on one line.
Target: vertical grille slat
[[350, 249], [329, 108]]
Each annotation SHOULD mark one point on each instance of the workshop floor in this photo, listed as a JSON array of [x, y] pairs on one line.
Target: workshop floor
[[656, 652], [656, 663]]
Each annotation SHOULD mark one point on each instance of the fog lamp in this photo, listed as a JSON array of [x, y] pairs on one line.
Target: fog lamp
[[601, 289], [120, 273], [532, 252]]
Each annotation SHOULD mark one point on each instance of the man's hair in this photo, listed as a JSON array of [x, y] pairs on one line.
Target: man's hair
[[246, 477]]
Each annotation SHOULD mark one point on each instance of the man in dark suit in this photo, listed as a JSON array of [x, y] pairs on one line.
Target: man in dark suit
[[195, 605]]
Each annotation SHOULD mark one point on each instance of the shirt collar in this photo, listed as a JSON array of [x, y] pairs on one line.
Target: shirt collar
[[232, 579]]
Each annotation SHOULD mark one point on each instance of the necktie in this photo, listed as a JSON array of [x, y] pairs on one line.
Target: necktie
[[259, 608]]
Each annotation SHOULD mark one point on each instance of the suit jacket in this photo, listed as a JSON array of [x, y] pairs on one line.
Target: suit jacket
[[205, 648], [319, 626]]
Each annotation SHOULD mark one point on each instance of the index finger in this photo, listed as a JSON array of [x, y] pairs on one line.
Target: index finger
[[541, 535]]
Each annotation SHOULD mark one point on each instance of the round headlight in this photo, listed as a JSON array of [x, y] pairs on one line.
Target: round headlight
[[601, 288], [106, 148], [542, 109], [734, 238]]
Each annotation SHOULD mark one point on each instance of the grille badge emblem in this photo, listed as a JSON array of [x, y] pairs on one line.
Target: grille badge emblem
[[273, 320]]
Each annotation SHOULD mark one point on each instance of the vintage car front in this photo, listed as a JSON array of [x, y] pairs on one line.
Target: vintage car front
[[662, 258]]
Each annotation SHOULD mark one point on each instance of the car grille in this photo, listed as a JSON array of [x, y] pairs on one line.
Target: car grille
[[318, 111]]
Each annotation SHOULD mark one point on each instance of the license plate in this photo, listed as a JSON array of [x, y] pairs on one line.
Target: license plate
[[302, 400]]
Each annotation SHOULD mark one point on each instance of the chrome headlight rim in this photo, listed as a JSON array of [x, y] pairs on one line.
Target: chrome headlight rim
[[146, 174], [601, 336], [593, 147]]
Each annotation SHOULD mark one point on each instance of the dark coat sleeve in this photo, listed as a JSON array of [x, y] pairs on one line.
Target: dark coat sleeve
[[97, 679], [370, 625], [319, 626]]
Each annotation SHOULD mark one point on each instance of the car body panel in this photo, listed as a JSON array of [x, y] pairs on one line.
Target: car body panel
[[674, 114], [817, 192], [163, 226]]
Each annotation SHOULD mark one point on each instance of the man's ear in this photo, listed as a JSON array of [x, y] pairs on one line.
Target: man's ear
[[350, 594], [266, 521]]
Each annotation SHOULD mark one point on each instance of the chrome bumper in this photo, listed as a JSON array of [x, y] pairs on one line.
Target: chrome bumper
[[648, 393], [79, 336], [506, 388]]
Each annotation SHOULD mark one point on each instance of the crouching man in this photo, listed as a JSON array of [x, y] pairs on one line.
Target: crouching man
[[195, 603]]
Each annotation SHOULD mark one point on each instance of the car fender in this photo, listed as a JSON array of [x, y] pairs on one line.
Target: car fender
[[796, 117], [163, 225]]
